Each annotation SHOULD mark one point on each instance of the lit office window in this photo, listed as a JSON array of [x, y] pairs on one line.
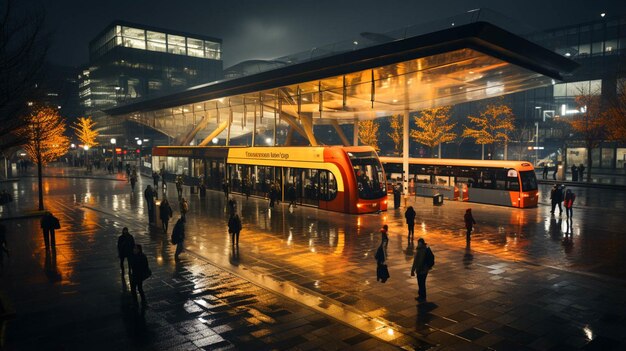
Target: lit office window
[[156, 41], [593, 87], [212, 50], [134, 38], [195, 47], [176, 44]]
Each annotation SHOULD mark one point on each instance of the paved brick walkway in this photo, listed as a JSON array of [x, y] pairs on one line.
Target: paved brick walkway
[[523, 284]]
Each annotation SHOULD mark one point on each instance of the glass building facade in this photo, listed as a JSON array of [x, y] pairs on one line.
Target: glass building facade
[[130, 62]]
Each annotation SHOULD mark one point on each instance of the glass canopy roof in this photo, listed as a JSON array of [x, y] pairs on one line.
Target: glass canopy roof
[[449, 75]]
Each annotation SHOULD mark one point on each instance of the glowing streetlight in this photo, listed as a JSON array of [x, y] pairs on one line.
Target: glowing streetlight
[[215, 140]]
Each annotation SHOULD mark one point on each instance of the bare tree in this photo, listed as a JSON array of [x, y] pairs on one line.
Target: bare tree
[[616, 114], [591, 123], [23, 47]]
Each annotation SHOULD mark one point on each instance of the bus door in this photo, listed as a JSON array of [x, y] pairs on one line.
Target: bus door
[[310, 181]]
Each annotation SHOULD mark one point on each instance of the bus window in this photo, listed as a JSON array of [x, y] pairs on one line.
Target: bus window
[[529, 180], [369, 175], [311, 186]]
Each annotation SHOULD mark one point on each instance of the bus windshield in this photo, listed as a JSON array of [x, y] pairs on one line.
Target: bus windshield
[[369, 175], [529, 180]]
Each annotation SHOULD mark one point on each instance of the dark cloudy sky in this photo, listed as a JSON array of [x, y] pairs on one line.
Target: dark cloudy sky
[[273, 28]]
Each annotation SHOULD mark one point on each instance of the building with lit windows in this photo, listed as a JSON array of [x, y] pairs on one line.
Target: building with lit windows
[[130, 62]]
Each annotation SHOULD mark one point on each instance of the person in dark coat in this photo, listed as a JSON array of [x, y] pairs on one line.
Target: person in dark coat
[[125, 246], [272, 196], [133, 180], [165, 213], [409, 215], [469, 224], [225, 188], [382, 272], [140, 272], [234, 228], [556, 197], [384, 237], [178, 236], [545, 171], [155, 180], [423, 262], [232, 206], [556, 169], [574, 173], [148, 194], [581, 172], [48, 224], [569, 203], [397, 195]]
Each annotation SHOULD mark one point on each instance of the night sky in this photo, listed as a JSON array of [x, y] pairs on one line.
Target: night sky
[[273, 28]]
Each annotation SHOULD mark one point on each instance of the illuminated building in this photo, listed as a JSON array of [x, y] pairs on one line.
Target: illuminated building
[[130, 62]]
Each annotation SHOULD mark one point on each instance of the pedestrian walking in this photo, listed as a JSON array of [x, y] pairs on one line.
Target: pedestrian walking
[[155, 180], [574, 173], [382, 271], [556, 197], [128, 171], [409, 215], [581, 172], [3, 244], [163, 179], [133, 181], [272, 196], [384, 236], [49, 223], [140, 272], [148, 194], [178, 236], [234, 228], [179, 185], [125, 246], [225, 188], [184, 207], [569, 203], [556, 169], [397, 195], [545, 171], [468, 218], [165, 213], [423, 262]]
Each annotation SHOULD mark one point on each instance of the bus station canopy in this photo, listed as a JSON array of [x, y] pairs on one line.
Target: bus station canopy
[[455, 65]]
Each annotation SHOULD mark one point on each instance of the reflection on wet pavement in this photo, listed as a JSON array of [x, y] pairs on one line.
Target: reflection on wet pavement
[[525, 277]]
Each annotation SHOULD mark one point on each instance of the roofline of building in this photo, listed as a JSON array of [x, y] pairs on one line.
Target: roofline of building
[[155, 29], [480, 36], [587, 23]]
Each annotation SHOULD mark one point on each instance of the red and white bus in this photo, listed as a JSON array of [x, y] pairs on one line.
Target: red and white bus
[[347, 179], [507, 183]]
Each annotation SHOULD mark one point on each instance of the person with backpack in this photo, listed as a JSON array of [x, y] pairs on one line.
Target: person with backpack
[[178, 236], [125, 246], [423, 262], [49, 223], [382, 272], [234, 227], [409, 215], [165, 213], [140, 272]]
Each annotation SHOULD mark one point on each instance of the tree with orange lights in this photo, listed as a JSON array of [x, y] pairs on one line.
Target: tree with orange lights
[[85, 131], [46, 140], [396, 134], [590, 124], [433, 127], [368, 133], [493, 125]]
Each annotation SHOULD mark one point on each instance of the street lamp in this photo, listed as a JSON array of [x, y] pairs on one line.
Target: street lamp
[[113, 141], [139, 142], [86, 148]]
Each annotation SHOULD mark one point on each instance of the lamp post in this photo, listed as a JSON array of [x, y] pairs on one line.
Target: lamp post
[[113, 141], [139, 142]]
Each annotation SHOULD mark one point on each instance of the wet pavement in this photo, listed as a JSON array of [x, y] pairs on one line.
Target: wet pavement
[[528, 280]]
